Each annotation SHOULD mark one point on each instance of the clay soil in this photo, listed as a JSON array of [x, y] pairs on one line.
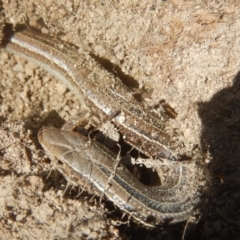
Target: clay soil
[[181, 54]]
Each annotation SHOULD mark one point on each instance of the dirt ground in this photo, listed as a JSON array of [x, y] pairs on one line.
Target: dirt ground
[[181, 53]]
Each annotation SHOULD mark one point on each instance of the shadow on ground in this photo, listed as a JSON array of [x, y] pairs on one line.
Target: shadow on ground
[[221, 139]]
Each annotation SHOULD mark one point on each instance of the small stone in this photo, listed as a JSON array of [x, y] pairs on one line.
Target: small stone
[[92, 236], [18, 68]]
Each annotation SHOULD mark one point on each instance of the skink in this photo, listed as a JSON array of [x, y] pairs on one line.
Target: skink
[[94, 165], [103, 94]]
